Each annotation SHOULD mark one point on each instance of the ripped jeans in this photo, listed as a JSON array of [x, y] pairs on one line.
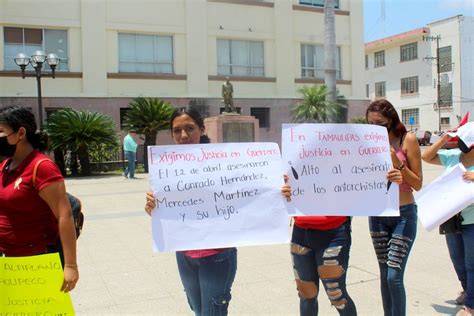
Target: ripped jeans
[[207, 281], [322, 254], [393, 238]]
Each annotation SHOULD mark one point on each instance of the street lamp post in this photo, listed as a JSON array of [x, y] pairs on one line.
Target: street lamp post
[[37, 60]]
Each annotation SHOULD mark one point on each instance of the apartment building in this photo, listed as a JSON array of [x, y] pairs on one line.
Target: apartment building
[[180, 51], [403, 69]]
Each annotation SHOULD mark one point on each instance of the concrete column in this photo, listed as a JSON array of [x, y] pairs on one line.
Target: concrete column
[[357, 50], [284, 49], [196, 48], [94, 47]]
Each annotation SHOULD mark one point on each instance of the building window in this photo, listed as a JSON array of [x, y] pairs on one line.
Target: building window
[[380, 89], [409, 85], [318, 3], [145, 53], [263, 116], [409, 51], [312, 61], [240, 58], [446, 95], [445, 61], [367, 90], [379, 59], [445, 121], [123, 113], [411, 113], [25, 40], [366, 61]]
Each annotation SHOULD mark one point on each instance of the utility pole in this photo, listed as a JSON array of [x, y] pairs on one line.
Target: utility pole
[[436, 38]]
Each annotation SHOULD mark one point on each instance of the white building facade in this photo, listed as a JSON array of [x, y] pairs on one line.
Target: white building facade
[[403, 69], [180, 51]]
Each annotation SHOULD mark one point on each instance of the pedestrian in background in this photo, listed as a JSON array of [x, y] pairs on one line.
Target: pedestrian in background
[[460, 245], [35, 215], [130, 152], [393, 237]]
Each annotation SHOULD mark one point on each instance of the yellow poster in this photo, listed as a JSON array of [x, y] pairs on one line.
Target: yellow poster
[[31, 286]]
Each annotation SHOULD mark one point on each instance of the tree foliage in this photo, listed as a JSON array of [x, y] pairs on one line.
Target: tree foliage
[[77, 133], [358, 120], [314, 107], [147, 117]]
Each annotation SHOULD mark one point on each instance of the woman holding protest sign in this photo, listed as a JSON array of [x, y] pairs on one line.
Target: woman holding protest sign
[[460, 242], [393, 237], [207, 274], [319, 249], [34, 214]]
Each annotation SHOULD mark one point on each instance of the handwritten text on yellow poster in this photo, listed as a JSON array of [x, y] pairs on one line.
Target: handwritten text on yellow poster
[[31, 286]]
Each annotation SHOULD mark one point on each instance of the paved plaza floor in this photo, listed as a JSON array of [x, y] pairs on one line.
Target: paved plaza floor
[[120, 275]]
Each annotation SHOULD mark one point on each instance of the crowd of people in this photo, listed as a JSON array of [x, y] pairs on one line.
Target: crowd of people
[[36, 219]]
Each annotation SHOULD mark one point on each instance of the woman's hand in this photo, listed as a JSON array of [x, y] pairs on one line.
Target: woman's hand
[[286, 189], [468, 175], [395, 161], [150, 202], [395, 176], [71, 275]]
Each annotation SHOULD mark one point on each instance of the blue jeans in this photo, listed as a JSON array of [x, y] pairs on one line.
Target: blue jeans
[[393, 239], [207, 281], [130, 156], [461, 251], [322, 254]]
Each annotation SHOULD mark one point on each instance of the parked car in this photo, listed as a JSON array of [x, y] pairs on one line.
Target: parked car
[[423, 137]]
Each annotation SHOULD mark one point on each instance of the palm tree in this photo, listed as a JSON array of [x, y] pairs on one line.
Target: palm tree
[[148, 117], [315, 108], [79, 132], [330, 50]]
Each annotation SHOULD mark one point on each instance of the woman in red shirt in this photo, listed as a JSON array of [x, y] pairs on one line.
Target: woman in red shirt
[[320, 248], [207, 274], [33, 216]]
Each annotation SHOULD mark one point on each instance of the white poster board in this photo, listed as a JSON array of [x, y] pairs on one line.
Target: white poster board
[[339, 169], [434, 138], [217, 195], [444, 197]]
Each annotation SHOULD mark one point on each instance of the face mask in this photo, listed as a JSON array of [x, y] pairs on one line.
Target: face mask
[[6, 149], [386, 125]]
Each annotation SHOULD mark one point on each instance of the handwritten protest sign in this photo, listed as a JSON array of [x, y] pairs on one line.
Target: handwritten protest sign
[[217, 195], [31, 286], [339, 169], [444, 197]]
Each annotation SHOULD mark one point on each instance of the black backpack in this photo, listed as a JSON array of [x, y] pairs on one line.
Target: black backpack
[[76, 206]]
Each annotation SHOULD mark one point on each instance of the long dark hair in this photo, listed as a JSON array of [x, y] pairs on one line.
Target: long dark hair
[[387, 110], [195, 116], [16, 117]]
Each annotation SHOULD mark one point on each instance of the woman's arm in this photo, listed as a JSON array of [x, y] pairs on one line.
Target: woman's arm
[[55, 195], [413, 175], [431, 153]]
